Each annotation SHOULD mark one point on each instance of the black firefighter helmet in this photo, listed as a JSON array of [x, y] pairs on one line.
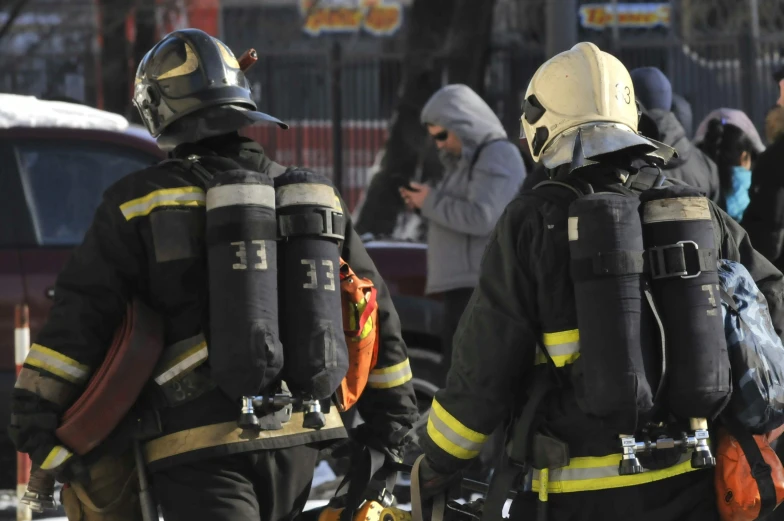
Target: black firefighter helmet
[[190, 87]]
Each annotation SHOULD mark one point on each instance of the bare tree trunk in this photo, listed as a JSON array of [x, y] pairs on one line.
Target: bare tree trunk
[[468, 45], [115, 73], [145, 39], [457, 31]]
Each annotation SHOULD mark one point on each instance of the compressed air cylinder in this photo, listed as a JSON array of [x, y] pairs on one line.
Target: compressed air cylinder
[[244, 346], [615, 323], [679, 239], [310, 224]]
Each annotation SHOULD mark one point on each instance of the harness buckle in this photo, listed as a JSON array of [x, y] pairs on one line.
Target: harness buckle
[[331, 217], [669, 261]]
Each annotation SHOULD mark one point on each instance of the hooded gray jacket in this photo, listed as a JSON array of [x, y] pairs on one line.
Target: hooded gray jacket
[[464, 207]]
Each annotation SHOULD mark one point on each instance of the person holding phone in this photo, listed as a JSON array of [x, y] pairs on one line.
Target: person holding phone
[[483, 171]]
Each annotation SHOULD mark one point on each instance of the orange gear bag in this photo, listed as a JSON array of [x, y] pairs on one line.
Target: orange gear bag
[[360, 326], [739, 483]]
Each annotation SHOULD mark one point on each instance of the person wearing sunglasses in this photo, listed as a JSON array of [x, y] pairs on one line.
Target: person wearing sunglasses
[[482, 172]]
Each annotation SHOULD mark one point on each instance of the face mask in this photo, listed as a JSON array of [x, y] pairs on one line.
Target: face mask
[[738, 198]]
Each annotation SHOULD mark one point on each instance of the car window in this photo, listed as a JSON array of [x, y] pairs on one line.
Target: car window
[[64, 184]]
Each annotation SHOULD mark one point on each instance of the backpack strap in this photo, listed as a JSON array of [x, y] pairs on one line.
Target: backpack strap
[[520, 450], [365, 463], [559, 193], [275, 169], [645, 179], [760, 469], [478, 151], [191, 165]]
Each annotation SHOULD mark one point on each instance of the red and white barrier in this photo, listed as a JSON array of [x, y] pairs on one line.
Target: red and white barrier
[[21, 348]]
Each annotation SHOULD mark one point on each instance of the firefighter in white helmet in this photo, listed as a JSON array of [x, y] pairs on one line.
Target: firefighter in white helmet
[[559, 342]]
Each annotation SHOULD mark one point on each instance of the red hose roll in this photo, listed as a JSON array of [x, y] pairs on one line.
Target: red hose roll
[[118, 382]]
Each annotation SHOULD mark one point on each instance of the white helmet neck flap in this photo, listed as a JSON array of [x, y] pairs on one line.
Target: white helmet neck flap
[[579, 105]]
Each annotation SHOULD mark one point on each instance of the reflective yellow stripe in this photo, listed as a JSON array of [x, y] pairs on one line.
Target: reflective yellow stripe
[[186, 196], [180, 358], [359, 308], [451, 436], [367, 329], [544, 477], [57, 364], [563, 347], [392, 376], [57, 456], [585, 474]]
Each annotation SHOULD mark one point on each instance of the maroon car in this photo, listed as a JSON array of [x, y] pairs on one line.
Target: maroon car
[[51, 181], [53, 178]]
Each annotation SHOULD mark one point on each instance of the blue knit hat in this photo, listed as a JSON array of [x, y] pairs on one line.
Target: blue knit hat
[[652, 88]]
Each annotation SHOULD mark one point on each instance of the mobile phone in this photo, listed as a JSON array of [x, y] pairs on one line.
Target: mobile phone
[[404, 183]]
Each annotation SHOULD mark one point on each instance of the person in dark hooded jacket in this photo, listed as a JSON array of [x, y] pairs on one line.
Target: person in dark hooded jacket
[[764, 217], [692, 166], [682, 110]]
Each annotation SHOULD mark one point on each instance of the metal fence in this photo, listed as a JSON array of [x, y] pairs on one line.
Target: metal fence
[[722, 72], [320, 92], [317, 93], [325, 89]]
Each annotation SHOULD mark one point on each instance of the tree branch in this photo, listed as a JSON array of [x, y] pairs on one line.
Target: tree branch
[[16, 10]]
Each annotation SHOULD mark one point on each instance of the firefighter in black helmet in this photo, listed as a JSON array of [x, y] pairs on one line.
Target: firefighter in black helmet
[[147, 242], [190, 87]]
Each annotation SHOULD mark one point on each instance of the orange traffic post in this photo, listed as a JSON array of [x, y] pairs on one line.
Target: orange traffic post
[[23, 464]]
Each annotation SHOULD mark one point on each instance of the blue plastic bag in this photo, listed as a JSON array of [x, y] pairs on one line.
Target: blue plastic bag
[[755, 350]]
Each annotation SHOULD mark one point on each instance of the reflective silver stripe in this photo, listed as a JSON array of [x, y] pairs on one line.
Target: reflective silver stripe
[[454, 437], [57, 456], [563, 347], [57, 363], [393, 376], [572, 228], [676, 209], [451, 436], [240, 195], [186, 196], [181, 357], [562, 355], [307, 193]]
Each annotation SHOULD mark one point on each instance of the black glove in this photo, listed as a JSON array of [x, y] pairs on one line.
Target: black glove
[[75, 469], [364, 436], [432, 481], [34, 434]]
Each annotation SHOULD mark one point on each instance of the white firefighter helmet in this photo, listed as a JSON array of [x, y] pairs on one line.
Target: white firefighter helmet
[[580, 104]]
